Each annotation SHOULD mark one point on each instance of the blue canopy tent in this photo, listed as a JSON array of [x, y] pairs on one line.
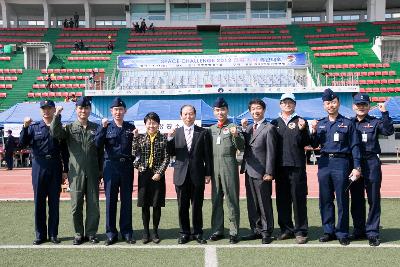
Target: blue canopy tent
[[393, 106], [18, 112], [170, 110], [309, 109]]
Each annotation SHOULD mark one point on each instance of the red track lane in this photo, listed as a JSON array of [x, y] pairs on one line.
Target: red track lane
[[16, 184]]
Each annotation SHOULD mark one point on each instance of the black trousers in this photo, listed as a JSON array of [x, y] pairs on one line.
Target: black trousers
[[188, 193], [291, 192], [259, 205]]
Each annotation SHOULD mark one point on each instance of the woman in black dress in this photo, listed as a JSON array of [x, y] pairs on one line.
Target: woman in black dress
[[151, 161]]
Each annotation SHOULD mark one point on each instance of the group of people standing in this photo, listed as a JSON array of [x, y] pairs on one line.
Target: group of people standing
[[142, 28], [72, 23], [84, 152]]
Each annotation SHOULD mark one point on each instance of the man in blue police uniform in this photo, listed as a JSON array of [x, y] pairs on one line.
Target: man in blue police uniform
[[117, 137], [49, 168], [368, 128], [340, 150]]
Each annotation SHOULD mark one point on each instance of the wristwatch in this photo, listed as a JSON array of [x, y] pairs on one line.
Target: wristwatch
[[358, 169]]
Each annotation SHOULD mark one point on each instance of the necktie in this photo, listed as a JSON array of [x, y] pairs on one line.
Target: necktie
[[255, 127], [188, 138]]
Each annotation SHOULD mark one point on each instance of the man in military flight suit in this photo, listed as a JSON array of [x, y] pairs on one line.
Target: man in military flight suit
[[368, 128], [49, 168], [116, 137], [226, 140], [85, 161], [340, 152]]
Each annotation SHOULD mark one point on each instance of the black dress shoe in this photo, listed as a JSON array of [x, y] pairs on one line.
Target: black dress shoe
[[374, 241], [156, 239], [357, 236], [78, 240], [92, 239], [233, 239], [55, 240], [286, 235], [216, 237], [344, 241], [146, 238], [183, 239], [327, 237], [266, 239], [130, 240], [200, 239], [110, 241], [38, 241], [252, 236]]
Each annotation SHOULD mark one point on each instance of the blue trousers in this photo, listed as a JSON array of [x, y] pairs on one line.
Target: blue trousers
[[370, 182], [333, 180], [46, 182], [118, 178]]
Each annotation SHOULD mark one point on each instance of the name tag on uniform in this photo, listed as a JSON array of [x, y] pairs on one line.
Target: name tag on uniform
[[364, 137], [218, 140], [336, 137]]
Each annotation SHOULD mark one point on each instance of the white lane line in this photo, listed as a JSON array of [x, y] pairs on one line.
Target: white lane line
[[210, 256], [51, 246]]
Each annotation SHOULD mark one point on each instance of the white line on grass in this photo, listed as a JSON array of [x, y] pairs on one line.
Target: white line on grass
[[51, 246], [210, 256]]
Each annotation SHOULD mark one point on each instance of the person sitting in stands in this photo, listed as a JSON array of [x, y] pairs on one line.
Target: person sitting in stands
[[110, 46], [81, 45], [151, 28], [92, 77], [71, 23], [73, 98], [76, 45], [49, 80], [66, 98], [66, 24]]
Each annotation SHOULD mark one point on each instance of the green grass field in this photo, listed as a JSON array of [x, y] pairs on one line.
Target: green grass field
[[17, 230]]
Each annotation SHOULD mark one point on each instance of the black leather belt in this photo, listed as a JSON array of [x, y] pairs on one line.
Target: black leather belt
[[48, 157], [123, 159], [335, 155], [369, 156]]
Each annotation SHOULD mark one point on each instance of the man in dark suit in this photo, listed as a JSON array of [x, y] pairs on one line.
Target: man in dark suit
[[191, 146], [259, 168], [9, 150]]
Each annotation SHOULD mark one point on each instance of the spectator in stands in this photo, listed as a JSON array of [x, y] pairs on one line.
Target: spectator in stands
[[110, 46], [151, 28], [76, 20], [92, 77], [71, 23], [49, 80], [9, 148], [153, 160], [66, 98], [137, 27], [76, 45], [81, 45], [143, 26], [73, 98], [66, 24]]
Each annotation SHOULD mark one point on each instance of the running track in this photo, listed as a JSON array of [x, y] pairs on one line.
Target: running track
[[16, 184]]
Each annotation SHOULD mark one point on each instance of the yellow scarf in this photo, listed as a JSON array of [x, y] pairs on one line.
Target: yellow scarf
[[151, 158]]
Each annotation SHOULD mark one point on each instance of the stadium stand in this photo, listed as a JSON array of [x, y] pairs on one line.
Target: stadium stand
[[340, 53]]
